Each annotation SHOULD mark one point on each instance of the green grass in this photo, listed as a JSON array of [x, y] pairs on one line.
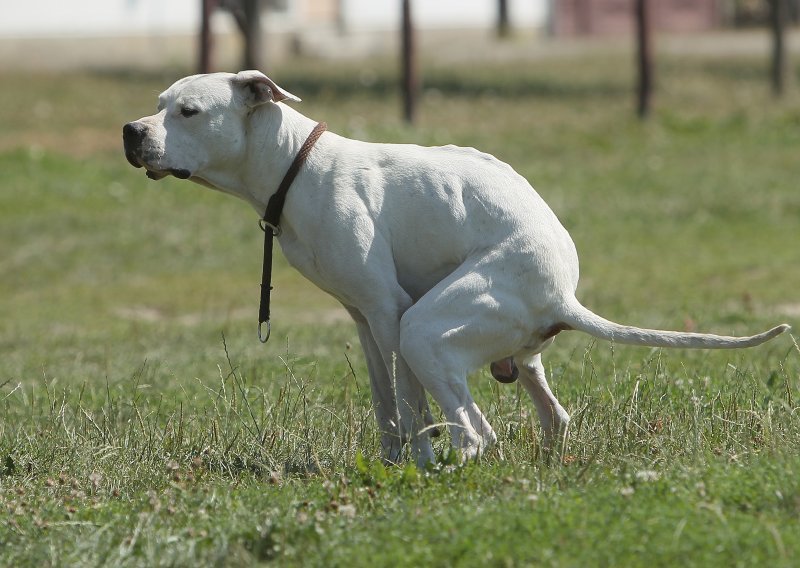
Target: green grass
[[142, 424]]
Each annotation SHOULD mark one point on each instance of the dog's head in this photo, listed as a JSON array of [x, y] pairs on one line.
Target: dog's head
[[201, 122]]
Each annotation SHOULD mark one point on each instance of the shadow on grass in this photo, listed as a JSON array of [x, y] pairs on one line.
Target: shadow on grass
[[166, 74], [351, 80], [463, 85]]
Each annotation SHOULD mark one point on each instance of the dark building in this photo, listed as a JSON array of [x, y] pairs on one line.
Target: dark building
[[612, 17]]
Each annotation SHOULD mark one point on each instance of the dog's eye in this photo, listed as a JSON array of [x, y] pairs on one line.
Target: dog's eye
[[188, 111]]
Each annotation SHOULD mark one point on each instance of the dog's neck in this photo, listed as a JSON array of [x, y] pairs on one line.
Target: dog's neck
[[275, 133]]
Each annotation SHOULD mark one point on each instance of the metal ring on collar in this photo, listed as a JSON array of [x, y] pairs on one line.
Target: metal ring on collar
[[264, 224], [262, 338]]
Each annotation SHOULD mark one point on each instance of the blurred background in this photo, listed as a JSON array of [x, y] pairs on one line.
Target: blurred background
[[146, 32], [664, 134], [208, 35]]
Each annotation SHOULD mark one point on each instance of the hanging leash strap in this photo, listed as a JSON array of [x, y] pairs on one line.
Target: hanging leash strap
[[270, 224]]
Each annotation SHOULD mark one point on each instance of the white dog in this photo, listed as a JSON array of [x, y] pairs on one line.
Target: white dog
[[446, 258]]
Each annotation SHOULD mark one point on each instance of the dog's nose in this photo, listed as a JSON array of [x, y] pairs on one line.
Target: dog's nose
[[133, 134]]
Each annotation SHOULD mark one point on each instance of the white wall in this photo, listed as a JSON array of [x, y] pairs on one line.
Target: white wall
[[30, 18], [97, 17], [362, 15]]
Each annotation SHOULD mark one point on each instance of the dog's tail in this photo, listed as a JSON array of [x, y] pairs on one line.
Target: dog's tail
[[580, 318]]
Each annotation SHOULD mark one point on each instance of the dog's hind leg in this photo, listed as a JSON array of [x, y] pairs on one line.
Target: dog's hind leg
[[452, 330], [444, 376], [552, 416]]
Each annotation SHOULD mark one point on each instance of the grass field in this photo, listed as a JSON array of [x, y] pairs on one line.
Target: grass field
[[142, 424]]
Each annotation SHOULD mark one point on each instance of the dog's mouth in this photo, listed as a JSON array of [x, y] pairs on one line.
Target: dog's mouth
[[161, 174], [153, 173]]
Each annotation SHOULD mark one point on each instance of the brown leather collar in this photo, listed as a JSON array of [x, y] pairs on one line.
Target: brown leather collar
[[270, 224]]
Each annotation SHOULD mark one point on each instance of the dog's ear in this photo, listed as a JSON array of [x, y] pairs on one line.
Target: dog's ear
[[257, 89]]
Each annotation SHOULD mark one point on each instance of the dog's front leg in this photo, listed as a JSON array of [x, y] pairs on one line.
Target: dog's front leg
[[363, 280], [385, 405], [383, 401], [399, 397]]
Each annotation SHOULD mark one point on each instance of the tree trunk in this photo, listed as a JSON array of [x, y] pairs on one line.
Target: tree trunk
[[503, 21], [247, 14], [778, 13], [204, 63], [409, 65], [251, 29], [644, 58]]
